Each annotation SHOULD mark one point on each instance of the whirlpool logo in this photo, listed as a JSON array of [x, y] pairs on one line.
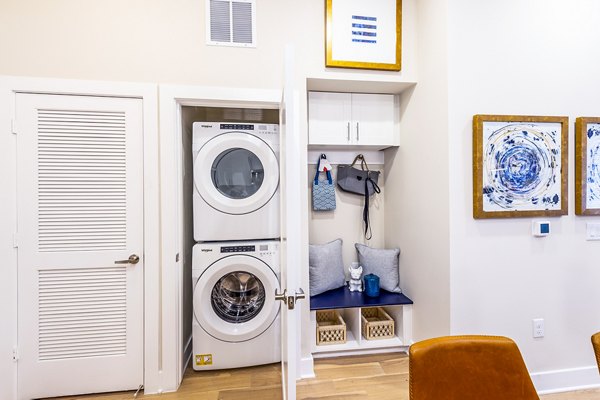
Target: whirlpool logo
[[206, 250]]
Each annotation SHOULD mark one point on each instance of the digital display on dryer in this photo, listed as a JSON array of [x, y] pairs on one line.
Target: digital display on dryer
[[244, 127]]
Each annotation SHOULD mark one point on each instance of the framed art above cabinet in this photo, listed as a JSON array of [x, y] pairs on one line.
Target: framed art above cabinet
[[351, 119]]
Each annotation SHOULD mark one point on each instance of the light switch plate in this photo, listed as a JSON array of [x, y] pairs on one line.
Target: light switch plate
[[592, 231]]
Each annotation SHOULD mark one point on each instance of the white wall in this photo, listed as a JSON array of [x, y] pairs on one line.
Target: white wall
[[416, 201], [164, 41], [533, 57]]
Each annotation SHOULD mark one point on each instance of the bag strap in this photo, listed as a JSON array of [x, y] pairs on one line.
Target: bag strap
[[376, 189], [363, 163], [328, 173]]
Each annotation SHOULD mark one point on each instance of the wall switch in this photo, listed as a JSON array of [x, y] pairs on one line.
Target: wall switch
[[538, 328], [540, 228], [592, 231]]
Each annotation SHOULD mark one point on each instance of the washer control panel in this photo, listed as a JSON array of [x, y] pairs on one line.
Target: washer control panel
[[259, 249], [238, 249]]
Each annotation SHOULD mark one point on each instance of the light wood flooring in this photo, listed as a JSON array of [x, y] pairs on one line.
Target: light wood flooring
[[381, 377]]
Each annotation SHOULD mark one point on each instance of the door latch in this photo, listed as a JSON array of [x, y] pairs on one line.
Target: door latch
[[290, 301]]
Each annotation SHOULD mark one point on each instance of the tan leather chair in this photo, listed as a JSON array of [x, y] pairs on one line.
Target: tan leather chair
[[596, 344], [468, 368]]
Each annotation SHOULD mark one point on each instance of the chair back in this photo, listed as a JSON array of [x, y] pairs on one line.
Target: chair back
[[468, 368], [596, 344]]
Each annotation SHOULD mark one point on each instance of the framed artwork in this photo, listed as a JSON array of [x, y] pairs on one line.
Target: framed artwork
[[363, 34], [520, 166], [587, 166]]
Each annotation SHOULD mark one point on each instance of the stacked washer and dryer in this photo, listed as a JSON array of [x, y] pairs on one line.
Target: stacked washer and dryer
[[235, 262]]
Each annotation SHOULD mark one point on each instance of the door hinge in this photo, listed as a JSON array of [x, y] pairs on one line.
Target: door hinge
[[13, 126], [15, 353], [15, 240]]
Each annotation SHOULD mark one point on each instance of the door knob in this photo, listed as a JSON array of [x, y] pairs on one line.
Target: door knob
[[299, 295], [281, 297], [133, 259]]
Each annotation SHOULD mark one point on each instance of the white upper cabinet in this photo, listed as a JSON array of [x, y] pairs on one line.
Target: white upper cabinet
[[356, 119]]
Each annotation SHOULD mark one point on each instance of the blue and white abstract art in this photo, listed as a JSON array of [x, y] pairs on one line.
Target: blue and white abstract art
[[522, 166], [593, 166]]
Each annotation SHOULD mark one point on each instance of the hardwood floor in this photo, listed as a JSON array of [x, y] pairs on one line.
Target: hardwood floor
[[381, 377]]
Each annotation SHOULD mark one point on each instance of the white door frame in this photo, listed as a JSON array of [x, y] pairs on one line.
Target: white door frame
[[154, 325], [171, 99]]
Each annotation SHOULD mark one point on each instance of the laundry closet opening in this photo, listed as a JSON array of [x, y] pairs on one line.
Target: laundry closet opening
[[234, 117]]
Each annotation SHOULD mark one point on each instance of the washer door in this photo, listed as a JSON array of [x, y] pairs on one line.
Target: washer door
[[234, 298], [236, 173]]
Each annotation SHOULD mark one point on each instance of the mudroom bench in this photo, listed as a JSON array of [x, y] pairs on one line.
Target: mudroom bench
[[345, 323]]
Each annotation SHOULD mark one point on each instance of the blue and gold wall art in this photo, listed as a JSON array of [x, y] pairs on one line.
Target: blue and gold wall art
[[587, 166], [519, 166], [363, 34]]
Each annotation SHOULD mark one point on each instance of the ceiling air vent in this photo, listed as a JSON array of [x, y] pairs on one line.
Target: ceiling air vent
[[231, 23]]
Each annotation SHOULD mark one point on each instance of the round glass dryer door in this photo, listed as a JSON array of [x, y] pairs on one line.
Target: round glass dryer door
[[234, 298], [236, 173]]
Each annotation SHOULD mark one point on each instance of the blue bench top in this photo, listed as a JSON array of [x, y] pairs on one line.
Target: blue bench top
[[344, 298]]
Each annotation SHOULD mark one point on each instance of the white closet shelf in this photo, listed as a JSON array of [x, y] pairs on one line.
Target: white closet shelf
[[374, 84]]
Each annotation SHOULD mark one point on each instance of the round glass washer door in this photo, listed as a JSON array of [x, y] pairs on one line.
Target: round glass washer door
[[236, 173], [234, 298]]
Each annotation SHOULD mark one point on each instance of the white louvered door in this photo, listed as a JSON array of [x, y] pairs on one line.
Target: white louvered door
[[80, 209]]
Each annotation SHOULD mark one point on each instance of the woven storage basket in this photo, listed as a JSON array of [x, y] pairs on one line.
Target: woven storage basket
[[331, 328], [376, 323]]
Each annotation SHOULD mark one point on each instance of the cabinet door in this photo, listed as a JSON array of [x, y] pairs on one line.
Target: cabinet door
[[329, 118], [372, 119]]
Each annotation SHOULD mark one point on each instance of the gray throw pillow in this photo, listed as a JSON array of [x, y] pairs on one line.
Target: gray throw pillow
[[326, 267], [382, 262]]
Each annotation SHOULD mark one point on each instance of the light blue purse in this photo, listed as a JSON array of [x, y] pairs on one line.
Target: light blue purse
[[323, 190]]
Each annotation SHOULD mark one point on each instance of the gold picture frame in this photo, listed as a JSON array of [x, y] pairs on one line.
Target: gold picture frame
[[520, 166], [587, 158], [363, 34]]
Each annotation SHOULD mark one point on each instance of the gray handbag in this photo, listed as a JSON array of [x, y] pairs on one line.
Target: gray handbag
[[360, 181], [354, 180]]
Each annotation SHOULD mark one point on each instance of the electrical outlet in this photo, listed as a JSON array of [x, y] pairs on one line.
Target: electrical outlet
[[538, 328]]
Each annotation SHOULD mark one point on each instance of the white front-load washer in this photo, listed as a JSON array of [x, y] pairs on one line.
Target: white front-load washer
[[236, 318], [236, 181]]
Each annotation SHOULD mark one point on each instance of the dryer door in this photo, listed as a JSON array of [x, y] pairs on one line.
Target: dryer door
[[233, 298], [236, 173]]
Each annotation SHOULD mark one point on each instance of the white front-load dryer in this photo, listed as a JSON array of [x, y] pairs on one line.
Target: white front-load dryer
[[236, 318], [236, 181]]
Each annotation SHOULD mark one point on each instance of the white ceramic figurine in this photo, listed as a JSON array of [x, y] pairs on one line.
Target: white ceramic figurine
[[355, 284]]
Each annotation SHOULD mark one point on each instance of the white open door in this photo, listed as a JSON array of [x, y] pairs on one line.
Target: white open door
[[291, 227], [80, 238]]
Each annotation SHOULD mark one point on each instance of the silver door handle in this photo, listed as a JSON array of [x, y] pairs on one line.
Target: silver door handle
[[299, 295], [357, 134], [281, 296], [133, 259]]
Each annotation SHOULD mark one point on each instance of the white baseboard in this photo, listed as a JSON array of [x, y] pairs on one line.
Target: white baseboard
[[187, 355], [566, 380], [307, 367], [360, 352]]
